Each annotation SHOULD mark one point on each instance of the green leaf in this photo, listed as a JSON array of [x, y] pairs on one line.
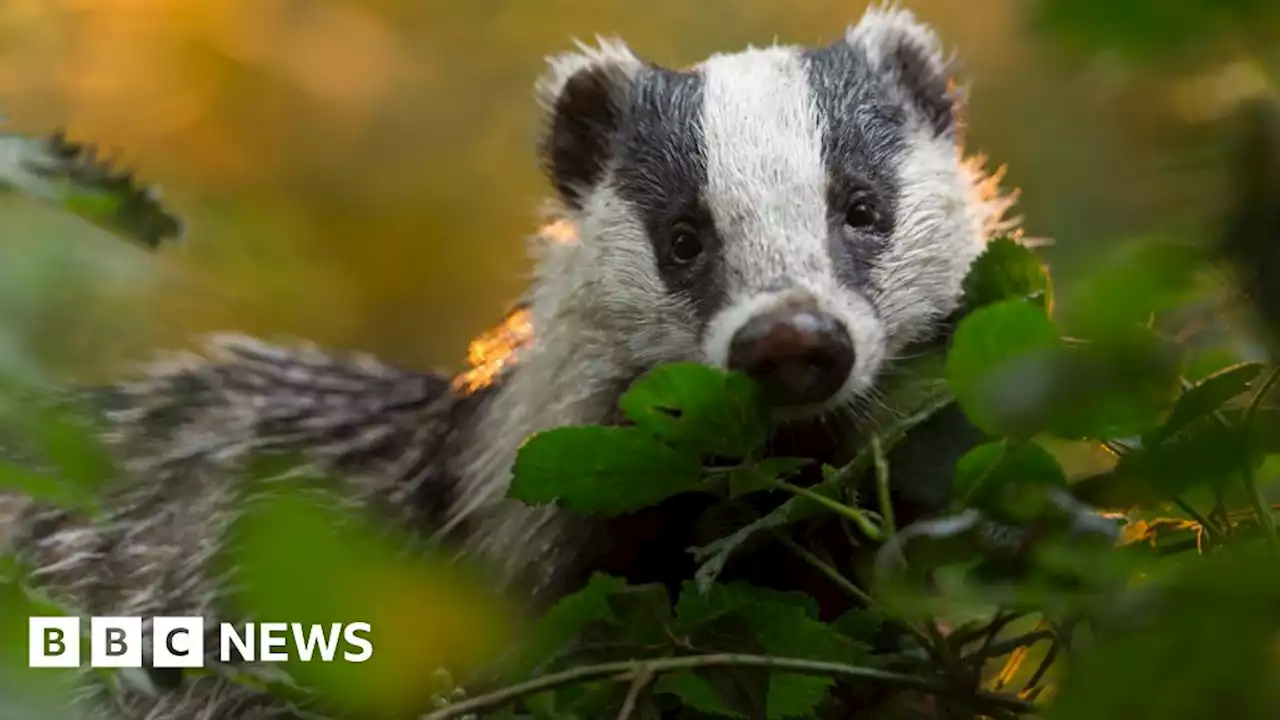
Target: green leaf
[[696, 692], [1006, 270], [993, 477], [72, 464], [643, 612], [715, 554], [837, 484], [1205, 453], [11, 570], [68, 442], [1206, 397], [782, 624], [543, 706], [1210, 359], [1139, 280], [861, 624], [986, 360], [916, 385], [1149, 32], [753, 476], [71, 177], [561, 625], [975, 470], [699, 408], [45, 488], [1117, 489], [907, 560], [743, 691], [1219, 610], [1264, 435], [59, 433], [593, 469], [737, 691], [27, 692], [790, 634], [594, 700], [1122, 386], [695, 606], [299, 556]]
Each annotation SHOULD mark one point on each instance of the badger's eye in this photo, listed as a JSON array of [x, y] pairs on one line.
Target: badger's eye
[[861, 214], [686, 245]]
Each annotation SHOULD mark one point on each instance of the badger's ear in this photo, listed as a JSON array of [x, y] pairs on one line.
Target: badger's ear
[[584, 97], [909, 55]]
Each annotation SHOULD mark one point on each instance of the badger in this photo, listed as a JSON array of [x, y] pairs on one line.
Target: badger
[[803, 215]]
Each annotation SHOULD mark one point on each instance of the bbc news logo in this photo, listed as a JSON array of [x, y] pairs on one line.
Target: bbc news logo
[[178, 642]]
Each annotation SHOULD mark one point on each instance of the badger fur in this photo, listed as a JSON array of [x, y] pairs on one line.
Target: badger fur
[[704, 214]]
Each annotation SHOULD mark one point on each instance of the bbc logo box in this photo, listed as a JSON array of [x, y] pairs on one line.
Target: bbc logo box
[[177, 642]]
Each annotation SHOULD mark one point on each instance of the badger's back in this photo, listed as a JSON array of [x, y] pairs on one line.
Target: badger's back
[[183, 435]]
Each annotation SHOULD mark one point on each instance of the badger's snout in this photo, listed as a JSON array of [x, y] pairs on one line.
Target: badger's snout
[[800, 356]]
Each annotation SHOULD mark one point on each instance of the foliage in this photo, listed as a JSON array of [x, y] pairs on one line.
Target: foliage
[[1043, 590], [1156, 30], [1021, 540], [72, 177]]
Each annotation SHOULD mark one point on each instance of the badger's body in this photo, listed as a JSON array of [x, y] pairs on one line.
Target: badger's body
[[803, 215]]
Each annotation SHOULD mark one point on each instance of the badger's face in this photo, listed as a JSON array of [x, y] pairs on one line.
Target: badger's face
[[797, 214]]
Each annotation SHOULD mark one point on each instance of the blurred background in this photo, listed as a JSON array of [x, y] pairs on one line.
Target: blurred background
[[361, 172]]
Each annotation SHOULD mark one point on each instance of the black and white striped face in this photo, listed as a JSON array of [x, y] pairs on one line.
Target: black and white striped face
[[801, 214]]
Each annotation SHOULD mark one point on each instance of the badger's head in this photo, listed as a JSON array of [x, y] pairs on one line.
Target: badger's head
[[799, 214]]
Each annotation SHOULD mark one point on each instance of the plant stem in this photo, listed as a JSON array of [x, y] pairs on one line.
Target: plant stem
[[825, 568], [1005, 647], [1115, 448], [1045, 663], [863, 459], [839, 508], [628, 670], [882, 486], [942, 651], [1220, 511], [1195, 515], [987, 633], [1260, 504], [642, 678], [1265, 518], [1256, 403], [846, 584]]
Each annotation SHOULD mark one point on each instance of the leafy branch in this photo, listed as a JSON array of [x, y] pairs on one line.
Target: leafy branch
[[73, 178], [627, 671]]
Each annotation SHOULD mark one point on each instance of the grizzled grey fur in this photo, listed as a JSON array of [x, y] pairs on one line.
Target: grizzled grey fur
[[833, 176]]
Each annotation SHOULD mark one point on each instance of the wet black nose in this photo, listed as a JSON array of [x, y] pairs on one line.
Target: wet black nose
[[798, 356]]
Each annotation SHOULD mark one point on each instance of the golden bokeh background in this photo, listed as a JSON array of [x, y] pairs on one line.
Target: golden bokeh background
[[361, 172]]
